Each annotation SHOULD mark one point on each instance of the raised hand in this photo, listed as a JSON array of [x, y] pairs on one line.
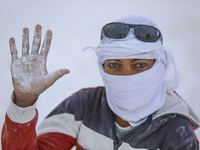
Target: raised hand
[[29, 74]]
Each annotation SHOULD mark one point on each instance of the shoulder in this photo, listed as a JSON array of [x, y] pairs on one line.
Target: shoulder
[[174, 104], [89, 93], [80, 101], [178, 132], [179, 126], [87, 98]]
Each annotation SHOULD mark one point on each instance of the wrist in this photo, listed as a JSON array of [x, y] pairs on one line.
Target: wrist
[[21, 115], [24, 100]]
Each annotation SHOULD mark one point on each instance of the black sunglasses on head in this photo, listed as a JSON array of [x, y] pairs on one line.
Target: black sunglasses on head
[[119, 30]]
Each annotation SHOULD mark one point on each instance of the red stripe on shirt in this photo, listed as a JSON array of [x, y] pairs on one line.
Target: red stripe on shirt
[[23, 137]]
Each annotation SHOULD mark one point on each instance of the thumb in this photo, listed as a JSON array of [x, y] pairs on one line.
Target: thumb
[[52, 77]]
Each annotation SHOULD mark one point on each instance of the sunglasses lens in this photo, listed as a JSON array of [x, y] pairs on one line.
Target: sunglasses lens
[[146, 33], [120, 30], [116, 31]]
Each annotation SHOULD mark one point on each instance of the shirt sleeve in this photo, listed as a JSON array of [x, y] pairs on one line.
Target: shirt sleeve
[[20, 114], [19, 131], [193, 145]]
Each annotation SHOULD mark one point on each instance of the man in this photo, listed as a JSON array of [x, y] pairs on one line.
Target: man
[[138, 108]]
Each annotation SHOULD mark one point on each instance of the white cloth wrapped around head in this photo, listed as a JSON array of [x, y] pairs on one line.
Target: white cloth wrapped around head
[[134, 97]]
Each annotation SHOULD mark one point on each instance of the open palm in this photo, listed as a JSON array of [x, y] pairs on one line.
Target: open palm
[[29, 74]]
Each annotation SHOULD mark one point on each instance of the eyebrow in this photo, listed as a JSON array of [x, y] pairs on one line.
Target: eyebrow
[[135, 60], [131, 60]]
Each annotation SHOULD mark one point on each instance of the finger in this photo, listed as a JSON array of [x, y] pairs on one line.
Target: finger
[[54, 76], [46, 44], [25, 42], [13, 49], [36, 39]]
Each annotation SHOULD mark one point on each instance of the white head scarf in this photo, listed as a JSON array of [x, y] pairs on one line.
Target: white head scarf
[[134, 97]]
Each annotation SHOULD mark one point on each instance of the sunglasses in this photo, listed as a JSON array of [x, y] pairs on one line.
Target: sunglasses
[[118, 30]]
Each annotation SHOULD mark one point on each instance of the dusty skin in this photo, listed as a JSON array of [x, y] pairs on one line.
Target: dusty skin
[[29, 74]]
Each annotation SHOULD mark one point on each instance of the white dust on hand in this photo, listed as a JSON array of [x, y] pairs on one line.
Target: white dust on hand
[[28, 74]]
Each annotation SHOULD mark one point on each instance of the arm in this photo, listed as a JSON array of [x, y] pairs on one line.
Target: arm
[[23, 137], [30, 79], [193, 145], [180, 135]]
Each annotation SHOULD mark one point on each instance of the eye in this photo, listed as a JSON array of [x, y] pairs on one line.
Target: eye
[[113, 65], [140, 65]]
